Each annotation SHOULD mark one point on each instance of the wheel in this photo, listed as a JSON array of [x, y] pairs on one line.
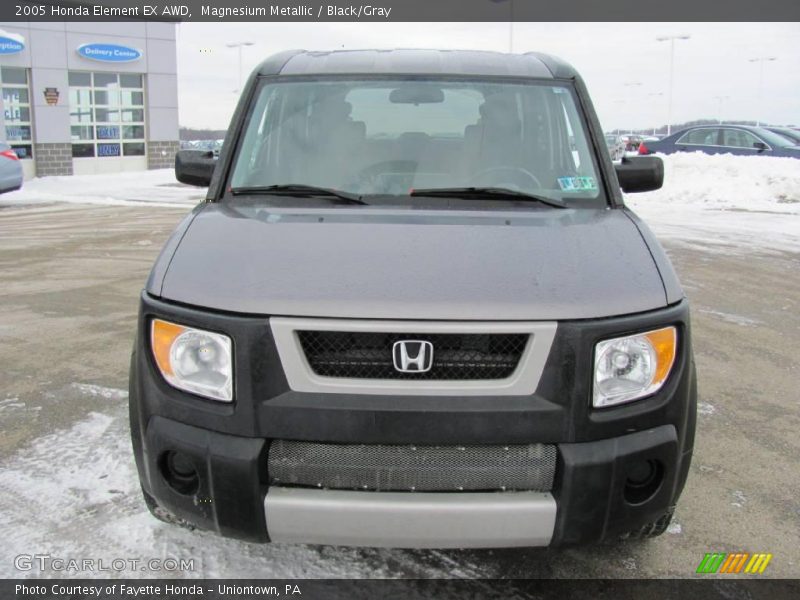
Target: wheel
[[513, 170], [162, 514], [651, 530]]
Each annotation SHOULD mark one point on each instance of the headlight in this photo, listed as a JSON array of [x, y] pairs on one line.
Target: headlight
[[632, 367], [194, 360]]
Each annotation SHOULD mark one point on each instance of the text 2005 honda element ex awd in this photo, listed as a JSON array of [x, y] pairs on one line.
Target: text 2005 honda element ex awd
[[414, 311]]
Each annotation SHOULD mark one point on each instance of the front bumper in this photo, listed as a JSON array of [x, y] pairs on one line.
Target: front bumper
[[597, 451], [588, 502]]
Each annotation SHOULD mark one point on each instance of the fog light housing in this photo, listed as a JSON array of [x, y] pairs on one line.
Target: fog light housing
[[644, 480], [179, 472]]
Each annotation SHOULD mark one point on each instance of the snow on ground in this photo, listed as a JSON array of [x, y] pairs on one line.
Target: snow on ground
[[157, 187], [725, 202], [74, 494]]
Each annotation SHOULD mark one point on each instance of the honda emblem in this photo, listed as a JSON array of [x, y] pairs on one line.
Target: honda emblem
[[413, 356]]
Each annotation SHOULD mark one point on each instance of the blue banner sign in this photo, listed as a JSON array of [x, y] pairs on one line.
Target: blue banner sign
[[109, 52], [10, 45], [107, 132], [108, 149]]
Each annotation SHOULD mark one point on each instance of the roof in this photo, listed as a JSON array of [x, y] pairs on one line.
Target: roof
[[417, 62]]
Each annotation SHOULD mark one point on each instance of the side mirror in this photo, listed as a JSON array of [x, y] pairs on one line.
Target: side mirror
[[640, 173], [194, 167], [760, 146]]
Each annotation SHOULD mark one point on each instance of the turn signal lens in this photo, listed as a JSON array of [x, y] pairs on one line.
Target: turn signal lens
[[194, 360], [632, 367]]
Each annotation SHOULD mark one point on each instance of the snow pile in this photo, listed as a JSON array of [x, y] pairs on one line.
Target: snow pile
[[728, 182], [725, 203], [157, 187]]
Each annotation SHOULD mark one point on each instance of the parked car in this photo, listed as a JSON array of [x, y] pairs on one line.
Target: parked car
[[413, 313], [724, 139], [615, 145], [10, 169], [632, 142], [793, 135]]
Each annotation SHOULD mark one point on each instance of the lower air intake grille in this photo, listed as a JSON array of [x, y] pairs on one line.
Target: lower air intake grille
[[456, 356], [419, 468]]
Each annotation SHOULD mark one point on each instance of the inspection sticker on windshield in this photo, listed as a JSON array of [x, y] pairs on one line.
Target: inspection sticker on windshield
[[577, 184]]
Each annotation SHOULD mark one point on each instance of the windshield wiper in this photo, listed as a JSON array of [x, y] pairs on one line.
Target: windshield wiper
[[478, 193], [299, 190]]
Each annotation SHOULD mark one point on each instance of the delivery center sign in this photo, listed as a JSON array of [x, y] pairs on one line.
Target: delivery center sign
[[109, 53], [11, 43]]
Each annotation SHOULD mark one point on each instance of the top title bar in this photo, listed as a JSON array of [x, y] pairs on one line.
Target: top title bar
[[401, 10]]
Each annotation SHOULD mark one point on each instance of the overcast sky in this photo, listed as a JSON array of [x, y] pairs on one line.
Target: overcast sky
[[714, 62]]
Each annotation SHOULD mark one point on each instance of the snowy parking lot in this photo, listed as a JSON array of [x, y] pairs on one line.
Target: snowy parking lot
[[75, 252]]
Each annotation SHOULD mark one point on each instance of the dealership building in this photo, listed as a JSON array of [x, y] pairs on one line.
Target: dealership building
[[83, 98]]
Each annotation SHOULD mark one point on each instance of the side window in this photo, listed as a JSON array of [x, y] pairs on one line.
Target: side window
[[738, 138], [702, 137]]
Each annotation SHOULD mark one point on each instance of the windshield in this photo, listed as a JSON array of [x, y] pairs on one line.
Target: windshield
[[775, 139], [383, 137]]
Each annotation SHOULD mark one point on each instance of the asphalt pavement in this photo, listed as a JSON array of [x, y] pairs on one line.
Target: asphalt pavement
[[70, 277]]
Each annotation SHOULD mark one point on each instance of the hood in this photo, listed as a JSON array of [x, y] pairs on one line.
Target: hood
[[541, 264]]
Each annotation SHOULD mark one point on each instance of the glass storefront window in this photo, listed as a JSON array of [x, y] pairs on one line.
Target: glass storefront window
[[79, 78], [82, 150], [127, 80], [133, 149], [106, 98], [99, 103], [79, 97], [17, 110], [105, 115], [105, 80], [82, 132]]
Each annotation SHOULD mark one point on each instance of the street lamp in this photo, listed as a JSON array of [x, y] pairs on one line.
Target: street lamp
[[510, 22], [631, 84], [239, 45], [761, 60], [720, 99], [652, 95], [671, 39]]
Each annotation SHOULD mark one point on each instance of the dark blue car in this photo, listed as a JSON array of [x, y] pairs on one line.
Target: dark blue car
[[724, 139]]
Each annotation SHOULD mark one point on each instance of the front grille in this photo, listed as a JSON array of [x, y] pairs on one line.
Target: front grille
[[412, 468], [456, 356]]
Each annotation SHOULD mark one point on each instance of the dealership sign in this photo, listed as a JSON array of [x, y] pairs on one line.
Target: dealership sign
[[109, 53], [11, 45]]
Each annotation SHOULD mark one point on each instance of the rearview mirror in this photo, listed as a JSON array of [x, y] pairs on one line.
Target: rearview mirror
[[416, 94], [760, 146], [640, 173], [194, 167]]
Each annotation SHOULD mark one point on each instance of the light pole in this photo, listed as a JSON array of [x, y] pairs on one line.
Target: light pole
[[239, 45], [671, 39], [630, 84], [720, 99], [510, 22], [761, 60], [651, 95]]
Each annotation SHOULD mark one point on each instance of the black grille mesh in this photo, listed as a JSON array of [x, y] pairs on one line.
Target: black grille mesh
[[412, 468], [456, 356]]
